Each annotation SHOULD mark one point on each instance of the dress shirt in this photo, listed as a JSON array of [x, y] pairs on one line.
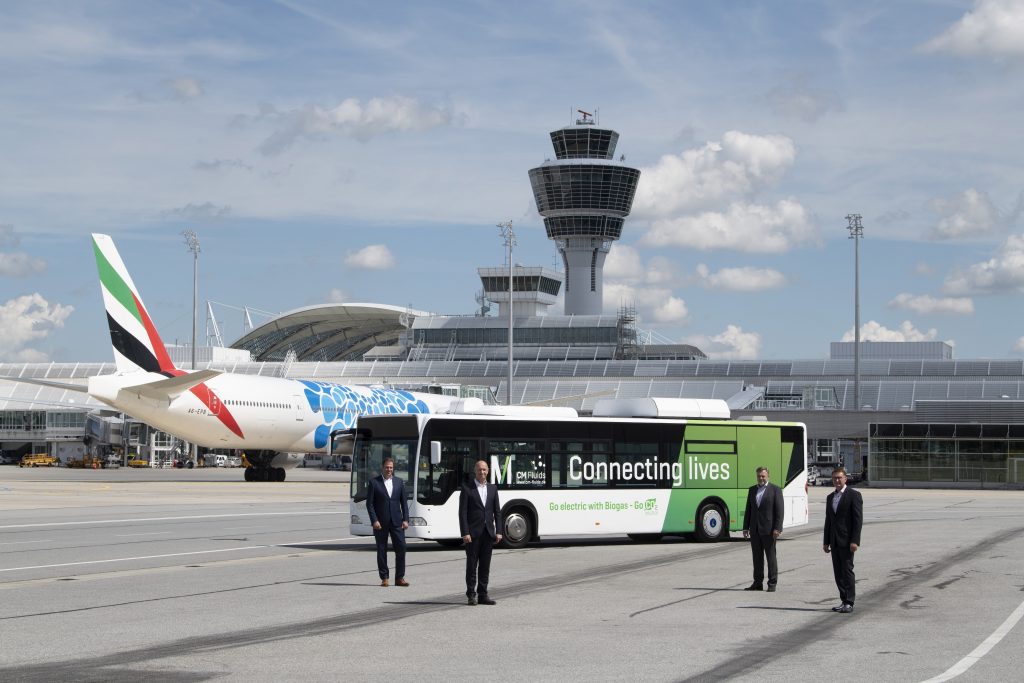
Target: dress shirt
[[836, 498], [389, 486], [482, 490], [760, 493]]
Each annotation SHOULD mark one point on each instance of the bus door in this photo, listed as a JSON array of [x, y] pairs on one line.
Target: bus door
[[438, 483]]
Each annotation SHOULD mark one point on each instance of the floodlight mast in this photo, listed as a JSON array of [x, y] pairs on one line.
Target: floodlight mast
[[856, 234], [192, 242], [509, 236]]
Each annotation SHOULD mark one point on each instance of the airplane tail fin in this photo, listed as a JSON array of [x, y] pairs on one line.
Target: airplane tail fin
[[137, 346]]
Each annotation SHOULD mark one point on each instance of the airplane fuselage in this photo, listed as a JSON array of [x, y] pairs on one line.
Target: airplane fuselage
[[252, 412]]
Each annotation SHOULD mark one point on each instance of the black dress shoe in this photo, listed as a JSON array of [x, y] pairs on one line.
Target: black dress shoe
[[484, 600], [846, 609], [838, 608], [754, 587], [471, 600], [771, 588]]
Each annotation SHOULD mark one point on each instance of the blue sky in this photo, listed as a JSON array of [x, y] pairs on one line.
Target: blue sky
[[364, 152]]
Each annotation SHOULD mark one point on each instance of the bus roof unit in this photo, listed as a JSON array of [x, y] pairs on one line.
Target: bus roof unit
[[474, 406], [702, 408]]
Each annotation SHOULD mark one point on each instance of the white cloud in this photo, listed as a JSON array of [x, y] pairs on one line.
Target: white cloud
[[926, 305], [336, 296], [654, 304], [623, 263], [351, 117], [699, 179], [873, 331], [185, 88], [743, 227], [970, 214], [924, 269], [1019, 346], [219, 164], [26, 319], [744, 279], [201, 213], [732, 344], [372, 257], [16, 263], [660, 271], [799, 99], [1002, 273], [20, 264], [994, 28]]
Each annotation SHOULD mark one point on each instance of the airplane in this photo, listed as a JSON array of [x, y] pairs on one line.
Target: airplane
[[274, 420]]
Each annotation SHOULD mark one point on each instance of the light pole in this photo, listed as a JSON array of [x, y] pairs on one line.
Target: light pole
[[192, 242], [510, 241], [856, 234]]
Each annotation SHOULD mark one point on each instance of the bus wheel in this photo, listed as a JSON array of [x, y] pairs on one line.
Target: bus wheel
[[518, 528], [711, 525], [449, 542], [645, 538]]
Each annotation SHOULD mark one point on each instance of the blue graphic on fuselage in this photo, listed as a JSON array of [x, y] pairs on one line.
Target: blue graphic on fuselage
[[339, 406]]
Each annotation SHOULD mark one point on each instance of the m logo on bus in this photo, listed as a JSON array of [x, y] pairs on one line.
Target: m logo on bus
[[500, 474]]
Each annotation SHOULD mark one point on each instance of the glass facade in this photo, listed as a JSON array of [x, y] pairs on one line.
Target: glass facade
[[584, 187], [970, 455], [584, 143], [607, 227]]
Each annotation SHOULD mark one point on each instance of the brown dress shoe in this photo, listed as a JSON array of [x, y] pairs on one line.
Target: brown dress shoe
[[402, 582], [384, 583]]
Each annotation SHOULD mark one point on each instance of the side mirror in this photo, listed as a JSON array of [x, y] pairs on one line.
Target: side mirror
[[435, 452]]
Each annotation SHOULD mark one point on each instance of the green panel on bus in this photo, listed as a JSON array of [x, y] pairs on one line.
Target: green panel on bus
[[760, 447]]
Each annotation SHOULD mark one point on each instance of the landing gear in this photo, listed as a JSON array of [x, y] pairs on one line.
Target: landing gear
[[265, 473]]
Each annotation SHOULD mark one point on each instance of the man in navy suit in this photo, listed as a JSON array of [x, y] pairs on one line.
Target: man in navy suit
[[844, 516], [389, 514], [762, 524], [481, 527]]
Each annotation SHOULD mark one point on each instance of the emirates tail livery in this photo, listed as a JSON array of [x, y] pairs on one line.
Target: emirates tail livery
[[274, 420]]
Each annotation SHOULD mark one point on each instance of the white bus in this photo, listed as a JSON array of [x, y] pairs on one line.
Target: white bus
[[641, 467]]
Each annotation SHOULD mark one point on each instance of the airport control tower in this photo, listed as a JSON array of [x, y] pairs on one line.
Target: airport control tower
[[584, 195]]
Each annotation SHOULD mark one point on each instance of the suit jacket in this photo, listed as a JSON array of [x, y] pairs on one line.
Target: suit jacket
[[842, 527], [388, 511], [767, 517], [474, 518]]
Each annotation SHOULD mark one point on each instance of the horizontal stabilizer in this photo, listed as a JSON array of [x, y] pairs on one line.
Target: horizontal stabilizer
[[68, 386], [172, 387]]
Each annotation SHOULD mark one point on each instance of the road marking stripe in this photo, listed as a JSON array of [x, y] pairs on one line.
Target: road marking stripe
[[982, 650], [193, 552], [163, 519], [42, 540]]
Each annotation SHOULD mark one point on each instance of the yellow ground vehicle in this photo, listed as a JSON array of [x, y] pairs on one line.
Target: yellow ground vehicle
[[136, 461], [38, 460]]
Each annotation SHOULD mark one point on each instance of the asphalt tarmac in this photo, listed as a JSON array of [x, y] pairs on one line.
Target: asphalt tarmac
[[164, 575]]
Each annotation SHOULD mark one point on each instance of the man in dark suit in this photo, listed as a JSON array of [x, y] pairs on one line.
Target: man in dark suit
[[481, 527], [389, 514], [844, 516], [762, 524]]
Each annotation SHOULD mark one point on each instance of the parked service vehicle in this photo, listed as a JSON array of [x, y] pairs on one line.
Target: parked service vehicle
[[38, 460], [136, 461]]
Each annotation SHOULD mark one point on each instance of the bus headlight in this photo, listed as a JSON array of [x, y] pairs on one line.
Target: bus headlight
[[417, 521]]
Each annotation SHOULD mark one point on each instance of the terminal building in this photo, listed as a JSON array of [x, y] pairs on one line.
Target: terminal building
[[924, 418]]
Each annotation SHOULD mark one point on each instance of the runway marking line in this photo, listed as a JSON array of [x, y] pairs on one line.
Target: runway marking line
[[977, 653], [193, 552], [167, 519]]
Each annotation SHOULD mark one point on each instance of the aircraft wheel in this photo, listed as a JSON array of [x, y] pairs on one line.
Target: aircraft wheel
[[279, 474], [250, 475]]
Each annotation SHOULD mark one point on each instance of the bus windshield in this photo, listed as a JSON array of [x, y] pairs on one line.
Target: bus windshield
[[394, 439]]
